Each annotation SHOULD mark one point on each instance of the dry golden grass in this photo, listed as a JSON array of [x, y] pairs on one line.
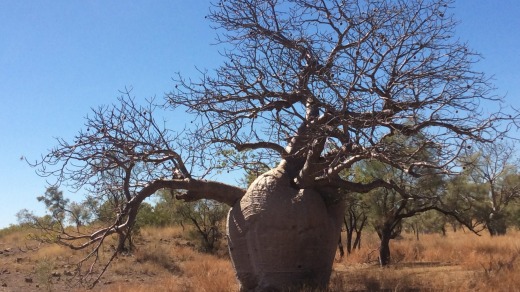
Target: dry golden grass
[[165, 260], [183, 271], [456, 262], [174, 264]]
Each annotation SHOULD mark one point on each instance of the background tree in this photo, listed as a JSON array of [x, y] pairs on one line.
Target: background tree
[[313, 87], [428, 222], [66, 212], [165, 209], [411, 196], [110, 204], [514, 216], [62, 215], [355, 219], [389, 207], [207, 218], [494, 169]]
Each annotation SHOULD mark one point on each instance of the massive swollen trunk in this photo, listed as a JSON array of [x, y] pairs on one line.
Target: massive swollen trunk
[[282, 237]]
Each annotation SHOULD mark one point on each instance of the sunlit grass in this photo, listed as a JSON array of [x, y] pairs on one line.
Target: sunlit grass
[[165, 259], [176, 268], [459, 261]]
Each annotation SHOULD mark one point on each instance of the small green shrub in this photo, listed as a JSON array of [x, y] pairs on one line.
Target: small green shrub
[[44, 273]]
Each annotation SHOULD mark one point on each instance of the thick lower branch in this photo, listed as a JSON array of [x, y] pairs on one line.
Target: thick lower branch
[[253, 146], [358, 187], [197, 189]]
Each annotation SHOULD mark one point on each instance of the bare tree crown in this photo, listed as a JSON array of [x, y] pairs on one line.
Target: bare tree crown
[[324, 83]]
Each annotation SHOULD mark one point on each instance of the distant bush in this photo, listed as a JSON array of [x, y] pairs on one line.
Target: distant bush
[[14, 228], [207, 219], [44, 273]]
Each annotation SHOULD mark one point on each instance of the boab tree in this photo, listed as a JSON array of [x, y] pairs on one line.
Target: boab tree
[[316, 86]]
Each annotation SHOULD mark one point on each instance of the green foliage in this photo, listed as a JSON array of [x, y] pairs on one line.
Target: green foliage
[[54, 202], [44, 272], [165, 208], [204, 218], [156, 215], [406, 194], [513, 216], [355, 219], [488, 188], [207, 219], [146, 215], [253, 173], [13, 228], [28, 219], [428, 222], [105, 212], [62, 210]]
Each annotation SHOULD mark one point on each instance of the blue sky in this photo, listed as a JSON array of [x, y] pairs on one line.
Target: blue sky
[[60, 58]]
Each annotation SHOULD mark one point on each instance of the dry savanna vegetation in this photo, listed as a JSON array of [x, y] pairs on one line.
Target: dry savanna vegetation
[[167, 259], [377, 101]]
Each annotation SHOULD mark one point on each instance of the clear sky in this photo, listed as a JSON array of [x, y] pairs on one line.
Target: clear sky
[[59, 58]]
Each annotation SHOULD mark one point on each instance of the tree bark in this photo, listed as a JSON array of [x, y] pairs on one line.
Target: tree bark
[[384, 247], [384, 252], [349, 241], [350, 229], [125, 242], [340, 248], [281, 237], [357, 241], [496, 224]]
